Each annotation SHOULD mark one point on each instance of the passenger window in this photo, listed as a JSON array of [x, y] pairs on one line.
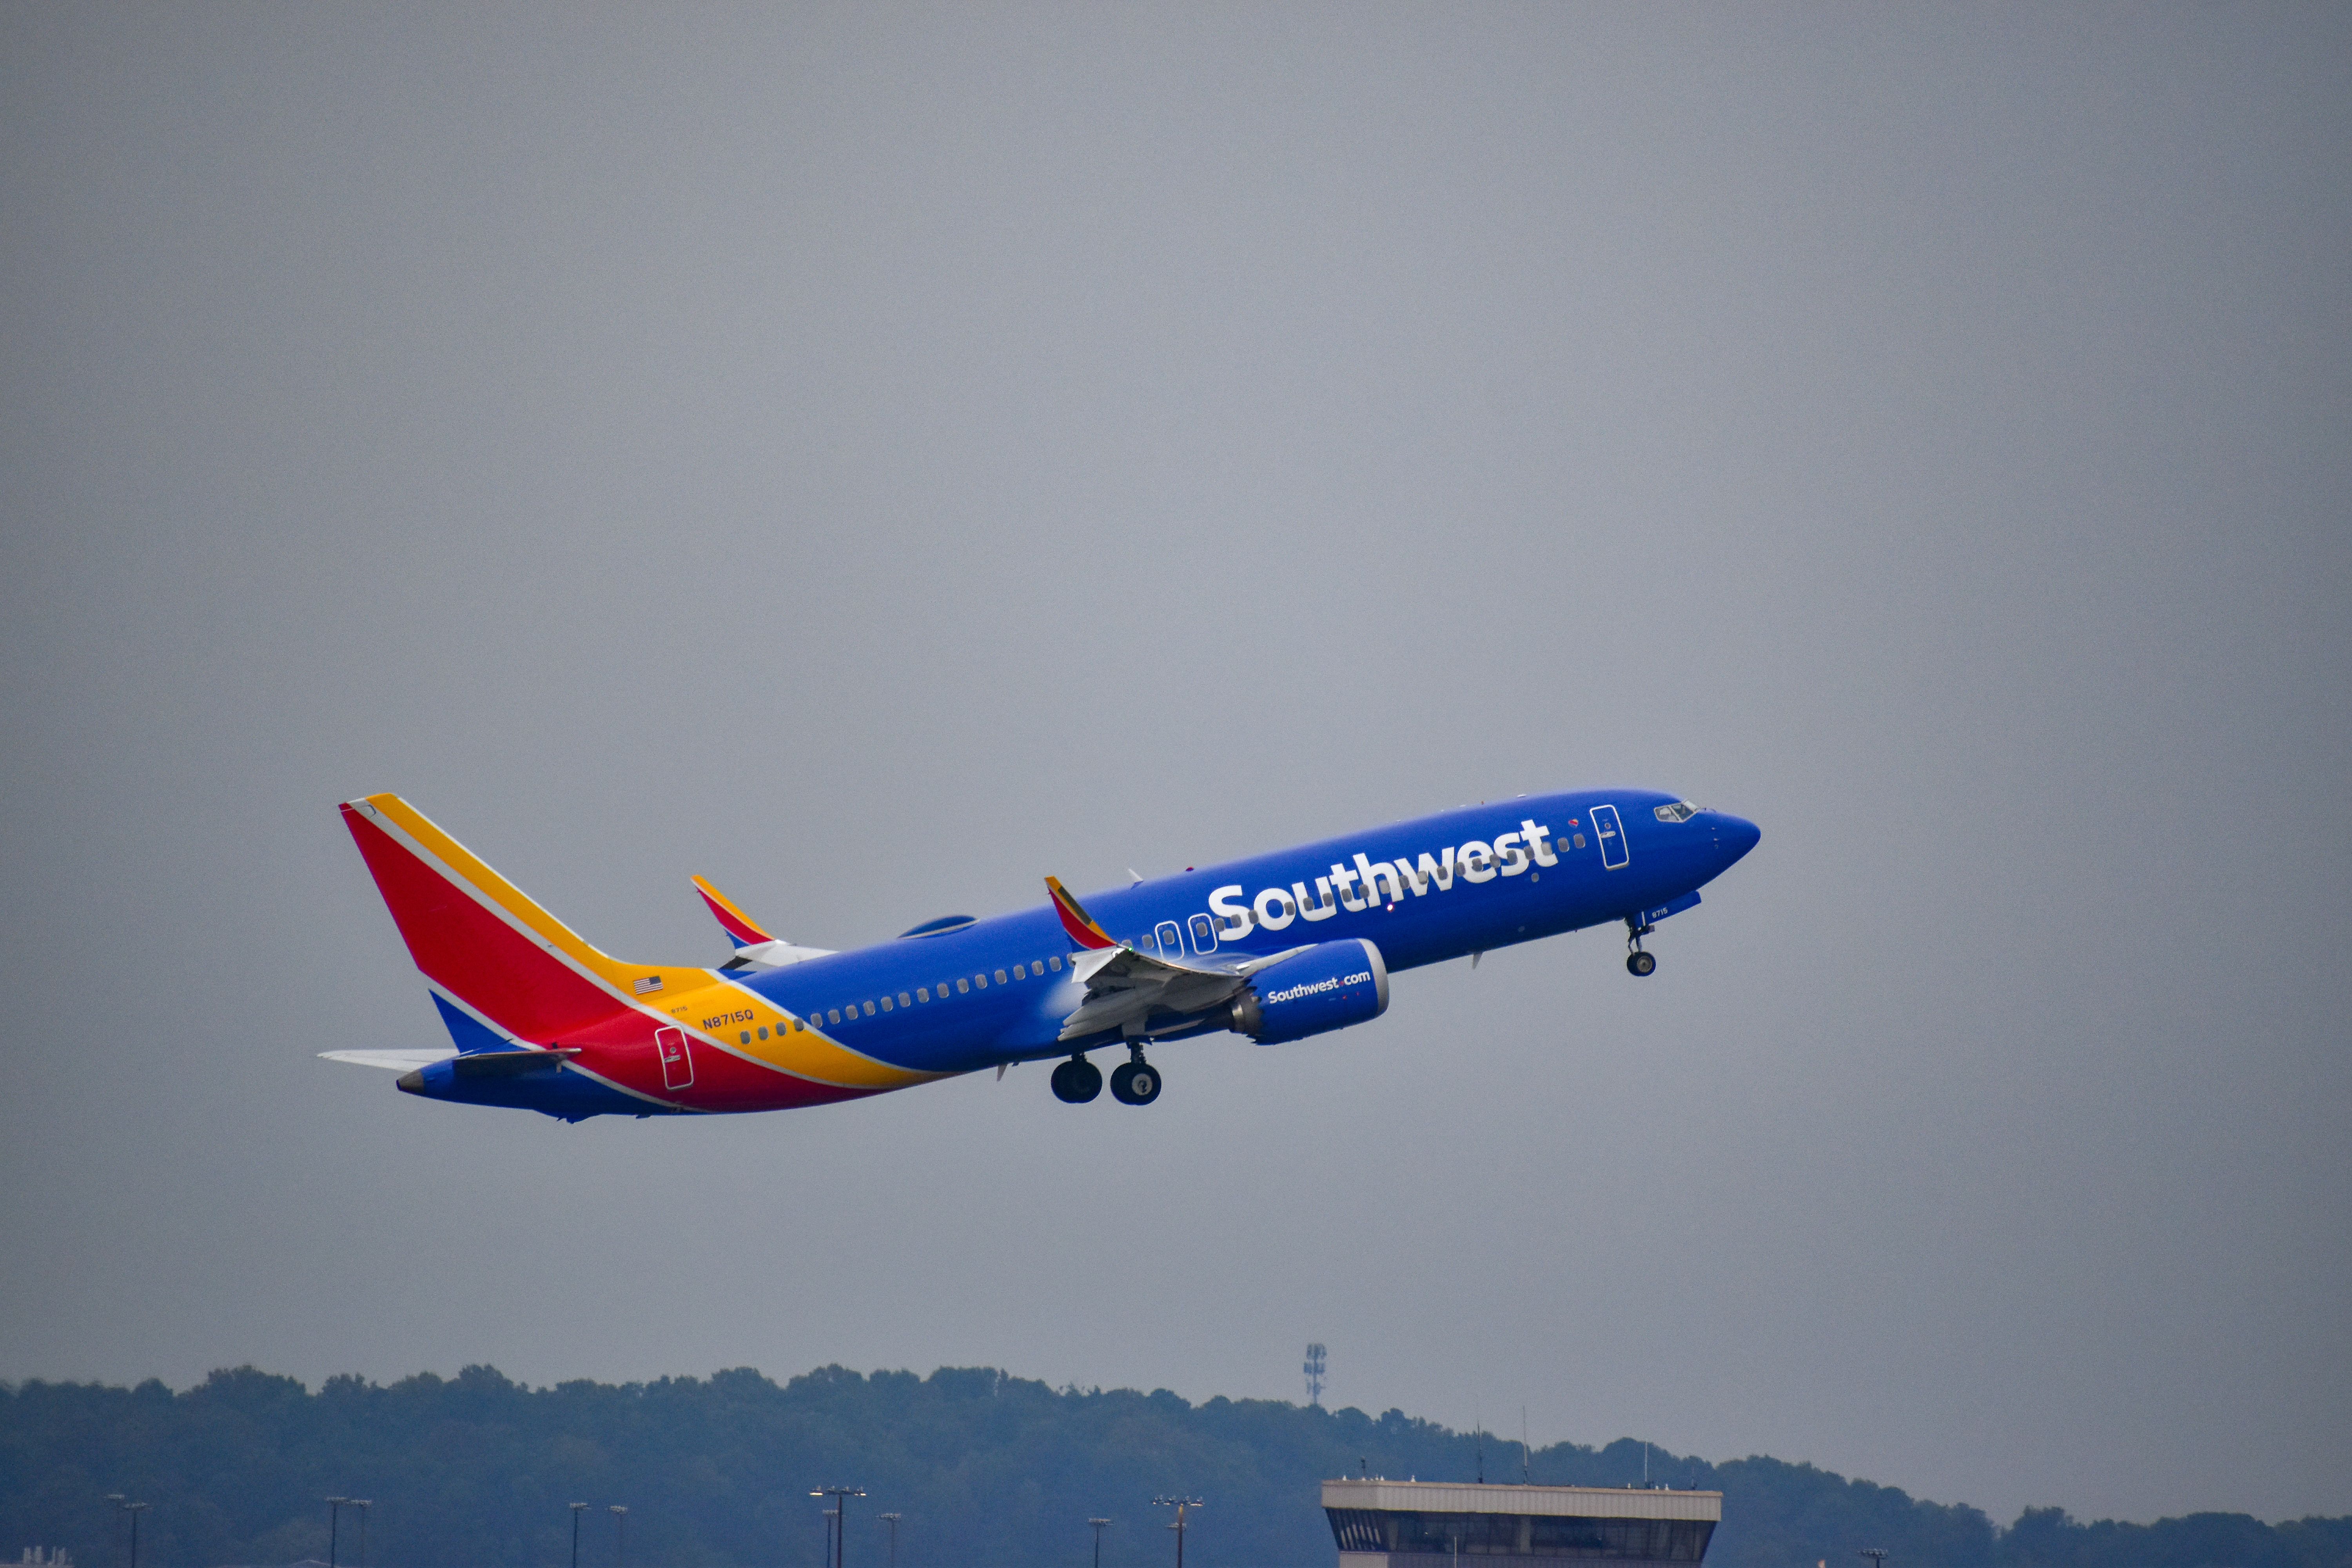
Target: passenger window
[[922, 993], [763, 1031], [962, 986], [746, 1037], [1055, 960], [981, 981], [886, 1004], [1019, 972], [902, 999], [798, 1027], [869, 1009], [999, 977], [1580, 841], [833, 1016]]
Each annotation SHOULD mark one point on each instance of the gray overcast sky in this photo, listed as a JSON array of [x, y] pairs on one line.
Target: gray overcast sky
[[876, 458]]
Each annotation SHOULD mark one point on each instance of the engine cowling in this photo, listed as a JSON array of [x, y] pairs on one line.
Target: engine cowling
[[1328, 986]]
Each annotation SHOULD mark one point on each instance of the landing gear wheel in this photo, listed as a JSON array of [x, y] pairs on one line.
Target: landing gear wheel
[[1641, 963], [1076, 1081], [1135, 1083]]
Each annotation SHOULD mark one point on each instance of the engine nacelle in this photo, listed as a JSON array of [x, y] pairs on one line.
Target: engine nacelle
[[1328, 986]]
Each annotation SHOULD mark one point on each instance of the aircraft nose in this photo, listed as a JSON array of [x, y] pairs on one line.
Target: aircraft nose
[[1735, 835]]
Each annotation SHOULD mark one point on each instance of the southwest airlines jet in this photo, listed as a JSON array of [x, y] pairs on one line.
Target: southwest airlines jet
[[1277, 948]]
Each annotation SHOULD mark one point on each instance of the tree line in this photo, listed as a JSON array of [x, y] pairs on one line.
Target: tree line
[[984, 1471]]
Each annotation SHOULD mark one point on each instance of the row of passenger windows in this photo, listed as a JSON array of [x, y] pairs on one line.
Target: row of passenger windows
[[922, 993]]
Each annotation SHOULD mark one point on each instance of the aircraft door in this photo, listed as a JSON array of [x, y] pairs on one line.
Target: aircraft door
[[1611, 832], [677, 1063], [1204, 934]]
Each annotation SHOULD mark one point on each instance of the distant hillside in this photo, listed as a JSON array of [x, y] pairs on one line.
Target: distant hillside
[[987, 1471]]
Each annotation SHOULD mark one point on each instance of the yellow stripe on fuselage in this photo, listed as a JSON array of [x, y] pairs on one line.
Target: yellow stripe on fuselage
[[725, 1011]]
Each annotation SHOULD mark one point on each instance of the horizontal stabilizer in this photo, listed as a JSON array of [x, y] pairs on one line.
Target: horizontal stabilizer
[[391, 1061]]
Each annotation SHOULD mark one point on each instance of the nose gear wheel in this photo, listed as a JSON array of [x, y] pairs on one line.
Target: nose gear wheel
[[1637, 962]]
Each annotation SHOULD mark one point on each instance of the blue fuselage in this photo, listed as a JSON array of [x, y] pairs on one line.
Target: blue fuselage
[[1442, 887]]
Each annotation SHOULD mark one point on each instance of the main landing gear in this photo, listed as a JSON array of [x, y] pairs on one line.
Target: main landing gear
[[1637, 962], [1076, 1081], [1135, 1082]]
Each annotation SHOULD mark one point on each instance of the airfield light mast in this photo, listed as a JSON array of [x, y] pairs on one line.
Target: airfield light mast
[[840, 1496], [134, 1509], [577, 1509], [1098, 1524], [1180, 1504], [892, 1521], [620, 1534]]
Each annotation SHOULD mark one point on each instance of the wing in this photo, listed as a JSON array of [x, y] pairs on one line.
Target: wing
[[1124, 986]]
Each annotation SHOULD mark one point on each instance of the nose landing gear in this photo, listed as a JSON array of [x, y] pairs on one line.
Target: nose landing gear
[[1637, 962]]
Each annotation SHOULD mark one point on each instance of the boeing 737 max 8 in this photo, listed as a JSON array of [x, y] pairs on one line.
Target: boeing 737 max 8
[[1277, 948]]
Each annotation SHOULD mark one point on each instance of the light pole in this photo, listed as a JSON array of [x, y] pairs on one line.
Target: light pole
[[840, 1496], [577, 1509], [114, 1526], [363, 1504], [620, 1535], [1098, 1524], [892, 1521], [334, 1515], [134, 1509], [1180, 1504], [1877, 1556]]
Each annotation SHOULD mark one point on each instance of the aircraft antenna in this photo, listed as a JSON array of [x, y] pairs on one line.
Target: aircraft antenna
[[1314, 1370]]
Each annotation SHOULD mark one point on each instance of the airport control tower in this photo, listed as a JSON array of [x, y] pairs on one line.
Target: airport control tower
[[1437, 1524]]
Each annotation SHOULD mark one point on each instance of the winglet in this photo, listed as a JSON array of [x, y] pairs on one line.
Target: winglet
[[740, 929], [1074, 919]]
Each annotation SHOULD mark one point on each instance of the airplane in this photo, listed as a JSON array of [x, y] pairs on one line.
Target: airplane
[[1277, 948]]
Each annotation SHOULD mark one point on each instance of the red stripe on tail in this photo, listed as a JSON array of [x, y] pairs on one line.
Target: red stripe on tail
[[498, 971]]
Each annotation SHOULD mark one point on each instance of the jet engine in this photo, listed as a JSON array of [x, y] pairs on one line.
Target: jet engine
[[1328, 986]]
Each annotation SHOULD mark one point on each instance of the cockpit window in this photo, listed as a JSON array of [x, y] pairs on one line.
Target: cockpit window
[[1681, 811]]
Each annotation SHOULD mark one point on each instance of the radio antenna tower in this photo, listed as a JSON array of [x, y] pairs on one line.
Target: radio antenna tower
[[1314, 1370]]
